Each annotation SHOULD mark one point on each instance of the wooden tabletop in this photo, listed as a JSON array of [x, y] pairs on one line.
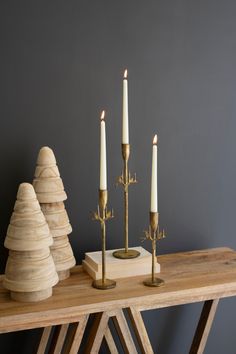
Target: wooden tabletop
[[189, 277]]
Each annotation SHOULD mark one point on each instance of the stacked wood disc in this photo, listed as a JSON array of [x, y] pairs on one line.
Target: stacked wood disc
[[30, 271], [51, 195]]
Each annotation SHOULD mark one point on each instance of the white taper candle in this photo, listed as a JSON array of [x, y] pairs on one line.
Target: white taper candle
[[103, 155], [154, 199], [125, 121]]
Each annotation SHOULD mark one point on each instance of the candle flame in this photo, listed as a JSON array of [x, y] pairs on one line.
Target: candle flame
[[125, 74], [155, 139], [103, 115]]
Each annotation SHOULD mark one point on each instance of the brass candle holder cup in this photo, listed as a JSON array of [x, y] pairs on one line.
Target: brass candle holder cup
[[102, 215], [126, 180], [154, 234]]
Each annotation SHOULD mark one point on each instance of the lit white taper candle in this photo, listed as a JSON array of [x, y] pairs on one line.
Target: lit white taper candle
[[125, 121], [103, 154], [154, 200]]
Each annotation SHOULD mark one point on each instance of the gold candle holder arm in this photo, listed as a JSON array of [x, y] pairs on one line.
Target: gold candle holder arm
[[102, 215], [126, 180], [154, 234]]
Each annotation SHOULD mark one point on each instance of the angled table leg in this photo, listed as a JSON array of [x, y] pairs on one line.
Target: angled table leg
[[204, 326], [110, 341], [58, 339], [44, 340], [124, 332], [140, 331], [97, 333], [74, 336]]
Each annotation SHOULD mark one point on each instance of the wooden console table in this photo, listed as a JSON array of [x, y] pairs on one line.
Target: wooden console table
[[206, 275]]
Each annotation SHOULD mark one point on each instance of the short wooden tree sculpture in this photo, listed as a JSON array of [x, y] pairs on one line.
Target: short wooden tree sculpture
[[51, 195], [30, 271]]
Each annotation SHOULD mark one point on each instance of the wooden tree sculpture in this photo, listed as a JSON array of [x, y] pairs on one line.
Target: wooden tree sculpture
[[51, 195], [30, 271]]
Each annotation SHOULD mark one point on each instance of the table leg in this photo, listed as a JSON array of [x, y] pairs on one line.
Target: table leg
[[58, 339], [97, 333], [100, 330], [110, 342], [140, 330], [75, 336], [44, 340], [204, 326], [124, 332]]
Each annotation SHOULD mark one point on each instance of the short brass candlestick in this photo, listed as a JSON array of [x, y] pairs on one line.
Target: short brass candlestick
[[125, 179], [154, 234], [102, 215]]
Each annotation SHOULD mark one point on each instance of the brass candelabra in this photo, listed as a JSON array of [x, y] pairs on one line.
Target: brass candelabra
[[126, 180], [102, 215], [154, 234]]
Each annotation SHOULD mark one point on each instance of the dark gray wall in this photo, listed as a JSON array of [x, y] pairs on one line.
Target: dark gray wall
[[61, 63]]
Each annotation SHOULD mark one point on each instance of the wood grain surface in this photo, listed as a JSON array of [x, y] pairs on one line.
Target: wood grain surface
[[189, 277]]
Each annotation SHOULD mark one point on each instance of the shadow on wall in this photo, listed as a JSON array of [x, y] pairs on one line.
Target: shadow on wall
[[25, 342], [168, 326], [16, 168]]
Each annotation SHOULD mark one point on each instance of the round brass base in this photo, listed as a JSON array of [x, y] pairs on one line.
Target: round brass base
[[104, 285], [155, 283], [122, 254]]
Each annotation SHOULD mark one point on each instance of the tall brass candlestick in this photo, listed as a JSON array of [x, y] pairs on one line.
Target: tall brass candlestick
[[103, 215], [125, 179], [154, 234]]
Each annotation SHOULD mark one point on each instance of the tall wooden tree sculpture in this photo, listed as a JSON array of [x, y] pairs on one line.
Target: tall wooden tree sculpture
[[51, 195], [30, 271]]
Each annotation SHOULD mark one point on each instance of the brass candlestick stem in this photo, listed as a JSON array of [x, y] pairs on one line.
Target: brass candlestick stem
[[102, 215], [125, 179], [154, 234]]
